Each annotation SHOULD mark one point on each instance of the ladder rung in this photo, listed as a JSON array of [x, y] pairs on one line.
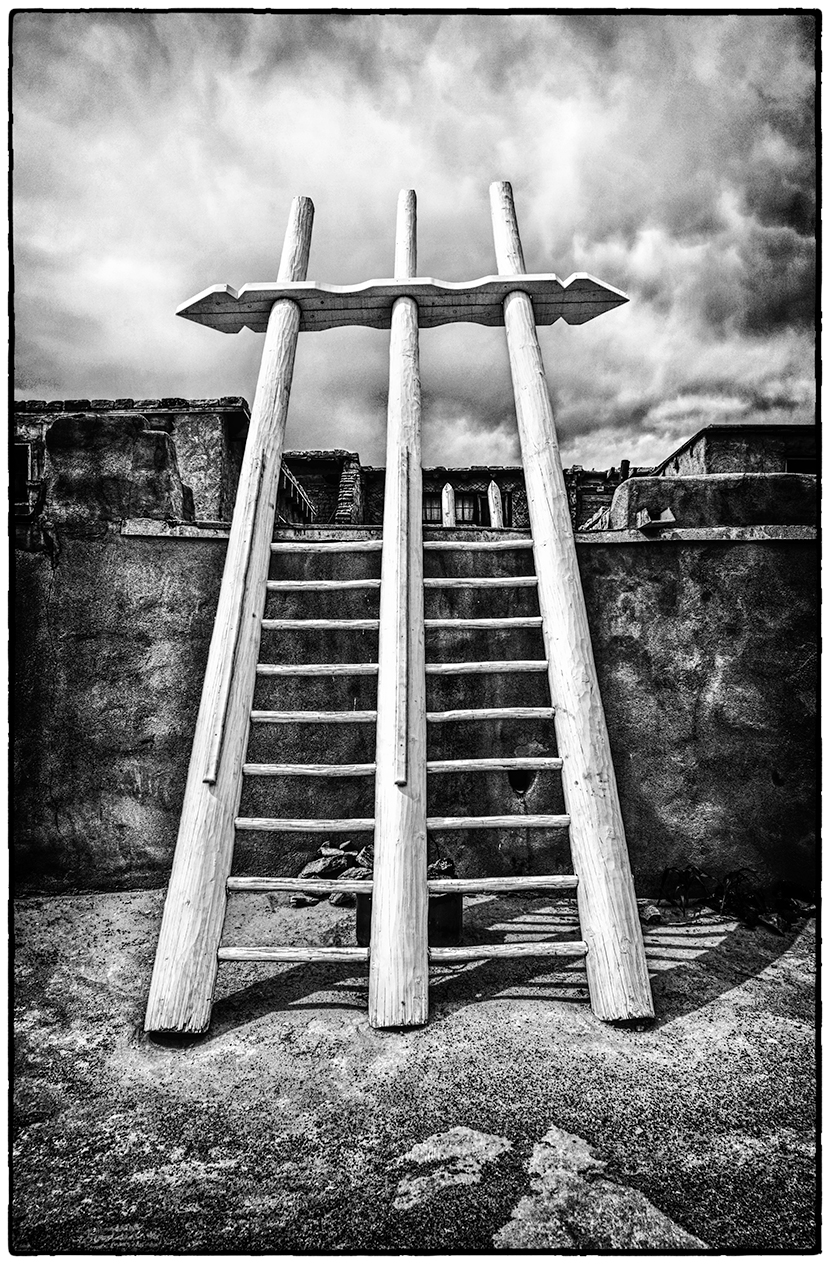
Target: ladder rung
[[308, 770], [355, 824], [293, 954], [281, 625], [314, 886], [479, 545], [516, 581], [486, 952], [497, 822], [493, 713], [317, 669], [492, 765], [318, 585], [473, 886], [313, 717], [486, 667], [327, 546], [532, 621]]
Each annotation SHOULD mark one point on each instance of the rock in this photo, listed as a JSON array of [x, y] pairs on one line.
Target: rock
[[454, 1158], [328, 850], [366, 857], [574, 1205], [650, 914], [357, 875], [326, 866], [304, 901], [443, 868], [342, 899], [351, 845]]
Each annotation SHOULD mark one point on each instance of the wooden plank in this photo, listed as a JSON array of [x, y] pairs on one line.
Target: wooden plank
[[447, 506], [181, 988], [287, 625], [489, 581], [532, 621], [488, 667], [479, 546], [507, 952], [501, 886], [581, 297], [399, 969], [309, 770], [617, 973], [327, 546], [494, 502], [319, 585], [491, 713], [291, 825], [313, 717], [317, 669], [301, 955], [538, 763], [538, 821], [313, 886]]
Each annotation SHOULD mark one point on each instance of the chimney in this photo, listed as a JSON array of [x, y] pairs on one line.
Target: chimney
[[624, 468]]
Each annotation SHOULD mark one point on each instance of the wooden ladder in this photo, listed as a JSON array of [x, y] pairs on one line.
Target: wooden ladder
[[189, 949]]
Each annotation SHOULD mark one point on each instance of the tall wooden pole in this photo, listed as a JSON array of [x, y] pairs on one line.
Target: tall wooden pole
[[398, 959], [617, 974], [181, 989]]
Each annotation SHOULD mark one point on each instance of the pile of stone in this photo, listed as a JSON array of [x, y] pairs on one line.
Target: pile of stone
[[348, 859], [355, 862]]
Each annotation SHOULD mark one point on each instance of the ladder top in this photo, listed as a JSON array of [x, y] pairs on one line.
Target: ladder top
[[577, 300]]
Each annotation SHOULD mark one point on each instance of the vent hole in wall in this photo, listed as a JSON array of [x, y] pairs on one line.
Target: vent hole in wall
[[521, 780]]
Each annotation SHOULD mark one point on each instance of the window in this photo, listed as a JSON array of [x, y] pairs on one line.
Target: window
[[466, 505], [432, 508], [21, 473], [802, 465]]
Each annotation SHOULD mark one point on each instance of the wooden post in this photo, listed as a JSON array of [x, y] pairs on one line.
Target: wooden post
[[494, 500], [181, 989], [616, 966], [398, 961], [448, 506]]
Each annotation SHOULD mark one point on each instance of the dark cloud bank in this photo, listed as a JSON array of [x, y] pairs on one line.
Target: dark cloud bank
[[672, 156]]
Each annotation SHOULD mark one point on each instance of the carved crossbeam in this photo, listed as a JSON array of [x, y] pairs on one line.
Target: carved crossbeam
[[577, 300]]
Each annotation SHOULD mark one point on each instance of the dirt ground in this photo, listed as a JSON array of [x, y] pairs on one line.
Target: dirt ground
[[513, 1120]]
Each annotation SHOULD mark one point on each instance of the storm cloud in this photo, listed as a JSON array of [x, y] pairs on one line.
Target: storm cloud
[[672, 156]]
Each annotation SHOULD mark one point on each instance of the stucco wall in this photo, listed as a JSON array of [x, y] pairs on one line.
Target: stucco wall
[[706, 652]]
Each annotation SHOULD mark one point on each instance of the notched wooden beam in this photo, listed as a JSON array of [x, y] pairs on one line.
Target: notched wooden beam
[[577, 300]]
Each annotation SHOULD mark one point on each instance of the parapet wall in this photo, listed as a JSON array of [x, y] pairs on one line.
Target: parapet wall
[[706, 650]]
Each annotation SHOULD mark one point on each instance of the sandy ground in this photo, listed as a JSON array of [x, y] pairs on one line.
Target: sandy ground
[[513, 1120]]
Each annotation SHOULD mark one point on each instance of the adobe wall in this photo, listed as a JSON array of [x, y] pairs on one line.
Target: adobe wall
[[706, 651]]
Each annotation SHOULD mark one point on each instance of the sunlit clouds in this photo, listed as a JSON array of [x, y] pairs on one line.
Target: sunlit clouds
[[672, 156]]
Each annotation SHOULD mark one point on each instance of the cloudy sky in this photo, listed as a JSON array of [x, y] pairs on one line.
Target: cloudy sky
[[671, 156]]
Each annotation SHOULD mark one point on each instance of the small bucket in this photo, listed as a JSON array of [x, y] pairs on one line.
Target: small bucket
[[444, 920]]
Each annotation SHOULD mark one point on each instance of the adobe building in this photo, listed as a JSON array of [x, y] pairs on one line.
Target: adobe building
[[700, 578]]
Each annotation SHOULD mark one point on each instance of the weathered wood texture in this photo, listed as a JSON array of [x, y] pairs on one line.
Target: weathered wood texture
[[491, 713], [184, 973], [494, 501], [348, 825], [507, 952], [479, 546], [489, 667], [497, 822], [484, 581], [399, 967], [328, 546], [537, 763], [501, 886], [372, 303], [511, 621], [447, 506], [317, 669], [313, 717], [309, 770], [302, 955], [616, 966]]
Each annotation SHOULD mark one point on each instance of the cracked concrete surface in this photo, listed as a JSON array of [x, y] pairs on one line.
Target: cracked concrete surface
[[513, 1121]]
